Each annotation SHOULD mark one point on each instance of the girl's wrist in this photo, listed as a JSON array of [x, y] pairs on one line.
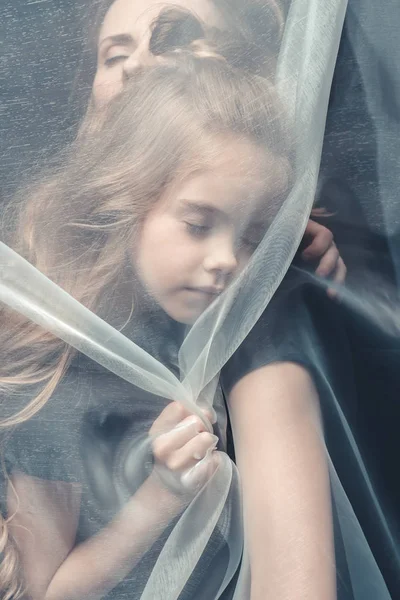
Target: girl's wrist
[[162, 494]]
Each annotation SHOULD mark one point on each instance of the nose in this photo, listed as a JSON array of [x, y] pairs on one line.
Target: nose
[[221, 258], [141, 57]]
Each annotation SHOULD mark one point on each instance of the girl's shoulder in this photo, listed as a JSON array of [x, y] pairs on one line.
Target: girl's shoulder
[[293, 325]]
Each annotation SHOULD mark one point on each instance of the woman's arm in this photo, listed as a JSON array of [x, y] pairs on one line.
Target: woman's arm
[[47, 515], [286, 492]]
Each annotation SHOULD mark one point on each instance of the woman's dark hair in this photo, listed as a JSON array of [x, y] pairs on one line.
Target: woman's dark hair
[[256, 23]]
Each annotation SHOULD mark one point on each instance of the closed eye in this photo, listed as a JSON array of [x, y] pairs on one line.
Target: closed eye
[[113, 60], [198, 231], [115, 48]]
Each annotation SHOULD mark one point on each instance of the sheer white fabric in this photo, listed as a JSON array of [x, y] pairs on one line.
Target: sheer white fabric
[[305, 64]]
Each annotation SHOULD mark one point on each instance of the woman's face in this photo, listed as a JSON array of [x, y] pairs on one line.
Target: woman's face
[[123, 43]]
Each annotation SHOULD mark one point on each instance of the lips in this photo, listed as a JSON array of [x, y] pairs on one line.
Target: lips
[[206, 290]]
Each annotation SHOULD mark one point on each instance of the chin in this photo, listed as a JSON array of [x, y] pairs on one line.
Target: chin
[[185, 317]]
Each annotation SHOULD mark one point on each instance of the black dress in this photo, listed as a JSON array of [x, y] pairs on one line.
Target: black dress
[[78, 436], [302, 325]]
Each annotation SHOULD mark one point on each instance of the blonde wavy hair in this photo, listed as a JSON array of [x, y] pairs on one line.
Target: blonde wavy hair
[[78, 222]]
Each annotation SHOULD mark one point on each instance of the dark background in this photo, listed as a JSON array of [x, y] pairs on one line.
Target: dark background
[[41, 49], [41, 45]]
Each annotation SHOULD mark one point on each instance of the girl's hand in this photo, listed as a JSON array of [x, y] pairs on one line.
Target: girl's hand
[[183, 450]]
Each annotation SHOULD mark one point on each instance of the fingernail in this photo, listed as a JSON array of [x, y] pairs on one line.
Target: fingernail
[[211, 448], [210, 414]]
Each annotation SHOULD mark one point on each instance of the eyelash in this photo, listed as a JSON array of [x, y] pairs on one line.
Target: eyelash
[[200, 231], [197, 231], [109, 62]]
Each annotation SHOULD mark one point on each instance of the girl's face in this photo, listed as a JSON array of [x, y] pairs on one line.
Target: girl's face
[[123, 43], [203, 231]]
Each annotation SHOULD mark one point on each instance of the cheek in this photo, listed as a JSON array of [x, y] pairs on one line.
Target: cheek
[[165, 251], [106, 86], [156, 252]]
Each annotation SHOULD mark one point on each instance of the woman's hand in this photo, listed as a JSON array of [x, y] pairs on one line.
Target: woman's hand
[[183, 450], [320, 246]]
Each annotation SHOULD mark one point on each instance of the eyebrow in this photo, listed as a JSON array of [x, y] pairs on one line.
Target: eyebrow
[[200, 207], [119, 39]]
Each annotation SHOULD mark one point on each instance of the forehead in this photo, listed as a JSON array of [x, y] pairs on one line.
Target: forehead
[[241, 179], [134, 17]]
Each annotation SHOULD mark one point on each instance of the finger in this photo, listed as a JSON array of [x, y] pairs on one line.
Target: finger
[[199, 446], [173, 440], [340, 278], [196, 477], [196, 449], [208, 413], [172, 414], [341, 271], [328, 262], [321, 241], [312, 229]]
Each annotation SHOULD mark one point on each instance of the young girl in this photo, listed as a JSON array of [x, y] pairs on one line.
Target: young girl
[[156, 210]]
